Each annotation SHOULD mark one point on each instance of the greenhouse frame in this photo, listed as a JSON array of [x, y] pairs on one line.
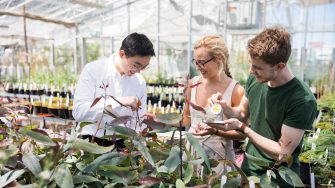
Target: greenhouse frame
[[45, 46]]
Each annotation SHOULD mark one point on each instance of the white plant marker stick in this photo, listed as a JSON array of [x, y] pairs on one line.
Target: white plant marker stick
[[326, 154], [312, 180], [223, 180], [251, 184]]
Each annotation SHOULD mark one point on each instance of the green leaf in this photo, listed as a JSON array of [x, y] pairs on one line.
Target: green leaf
[[180, 184], [11, 151], [90, 147], [73, 135], [158, 155], [124, 131], [265, 181], [10, 176], [198, 148], [121, 170], [33, 185], [255, 179], [161, 185], [110, 185], [38, 137], [32, 163], [119, 174], [273, 175], [197, 162], [93, 166], [85, 123], [30, 127], [84, 179], [234, 182], [173, 160], [144, 151], [63, 176], [257, 161], [171, 118], [164, 130], [290, 177], [188, 173]]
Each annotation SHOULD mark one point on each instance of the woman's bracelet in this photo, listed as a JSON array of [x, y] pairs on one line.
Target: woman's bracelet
[[216, 132]]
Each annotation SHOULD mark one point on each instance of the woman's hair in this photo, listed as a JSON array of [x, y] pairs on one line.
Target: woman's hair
[[272, 46], [216, 48]]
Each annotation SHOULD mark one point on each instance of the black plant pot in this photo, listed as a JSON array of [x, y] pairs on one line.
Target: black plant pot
[[70, 114], [63, 113], [305, 173], [53, 111]]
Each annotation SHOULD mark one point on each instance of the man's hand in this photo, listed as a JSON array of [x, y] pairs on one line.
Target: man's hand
[[133, 102]]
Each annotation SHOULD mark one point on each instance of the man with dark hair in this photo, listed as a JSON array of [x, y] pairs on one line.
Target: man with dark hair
[[116, 76], [281, 107]]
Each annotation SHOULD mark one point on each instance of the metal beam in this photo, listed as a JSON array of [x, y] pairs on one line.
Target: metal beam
[[8, 4], [87, 3], [92, 10], [20, 5], [38, 17], [29, 37]]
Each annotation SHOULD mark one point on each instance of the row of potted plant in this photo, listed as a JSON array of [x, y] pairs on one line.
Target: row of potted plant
[[318, 155]]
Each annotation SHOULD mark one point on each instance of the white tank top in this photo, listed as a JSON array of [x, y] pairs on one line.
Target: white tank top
[[215, 146]]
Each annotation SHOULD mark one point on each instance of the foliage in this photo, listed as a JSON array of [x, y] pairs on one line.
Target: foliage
[[327, 102], [93, 51], [37, 157], [319, 145]]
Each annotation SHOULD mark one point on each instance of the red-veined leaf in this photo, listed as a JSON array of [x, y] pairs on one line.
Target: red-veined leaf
[[109, 111], [96, 100], [179, 85], [149, 181], [198, 108], [120, 120], [116, 100], [194, 85], [154, 124], [9, 100]]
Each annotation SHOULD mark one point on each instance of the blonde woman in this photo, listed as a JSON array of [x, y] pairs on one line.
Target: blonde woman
[[211, 60]]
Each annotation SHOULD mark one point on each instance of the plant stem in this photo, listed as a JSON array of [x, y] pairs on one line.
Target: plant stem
[[181, 150]]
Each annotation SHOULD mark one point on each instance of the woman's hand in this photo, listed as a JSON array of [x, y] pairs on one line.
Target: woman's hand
[[200, 131], [227, 125]]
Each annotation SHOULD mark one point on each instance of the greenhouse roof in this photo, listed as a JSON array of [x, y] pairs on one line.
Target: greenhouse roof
[[62, 20]]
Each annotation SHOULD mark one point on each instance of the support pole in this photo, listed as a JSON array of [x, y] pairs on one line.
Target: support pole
[[128, 17], [189, 50], [303, 54], [83, 53], [157, 36], [75, 53], [26, 43]]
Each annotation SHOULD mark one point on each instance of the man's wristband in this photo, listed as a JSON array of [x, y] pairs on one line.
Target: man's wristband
[[242, 128]]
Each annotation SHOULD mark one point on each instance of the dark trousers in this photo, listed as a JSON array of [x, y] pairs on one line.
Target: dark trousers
[[119, 144]]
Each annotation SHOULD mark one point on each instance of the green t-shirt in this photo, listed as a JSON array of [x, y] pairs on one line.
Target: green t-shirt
[[291, 104]]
